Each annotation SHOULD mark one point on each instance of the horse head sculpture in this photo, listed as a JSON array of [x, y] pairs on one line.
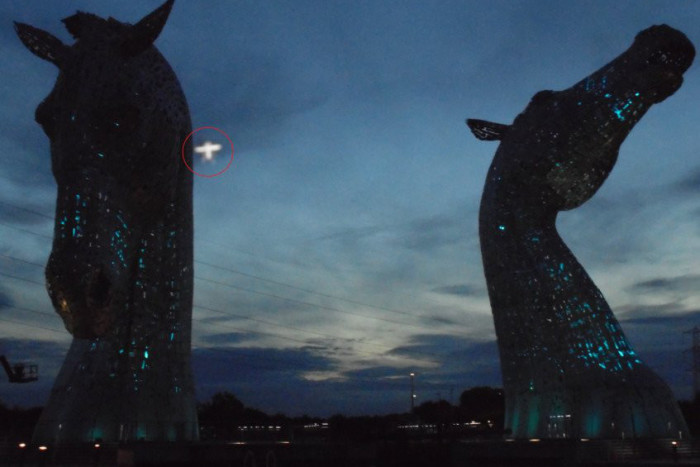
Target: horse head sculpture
[[567, 367], [120, 270]]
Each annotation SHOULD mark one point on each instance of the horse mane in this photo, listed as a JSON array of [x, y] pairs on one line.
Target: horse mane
[[83, 24]]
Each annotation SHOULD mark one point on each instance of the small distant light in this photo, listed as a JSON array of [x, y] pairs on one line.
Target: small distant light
[[97, 445], [585, 439], [674, 443], [42, 448], [509, 440], [534, 440], [22, 445]]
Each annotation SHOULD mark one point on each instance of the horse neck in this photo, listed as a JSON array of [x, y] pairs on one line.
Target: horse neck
[[161, 278], [544, 303]]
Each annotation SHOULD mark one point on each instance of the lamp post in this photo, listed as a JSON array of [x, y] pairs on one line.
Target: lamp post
[[413, 391]]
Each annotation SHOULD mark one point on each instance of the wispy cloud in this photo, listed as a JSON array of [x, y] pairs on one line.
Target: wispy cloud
[[464, 290], [687, 284]]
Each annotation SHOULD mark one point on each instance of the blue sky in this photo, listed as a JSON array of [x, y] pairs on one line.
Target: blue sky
[[340, 250]]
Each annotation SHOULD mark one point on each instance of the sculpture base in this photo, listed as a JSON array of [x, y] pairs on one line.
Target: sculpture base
[[596, 404], [97, 396]]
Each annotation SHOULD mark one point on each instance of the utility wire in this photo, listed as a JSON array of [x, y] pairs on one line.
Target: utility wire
[[200, 321], [280, 283]]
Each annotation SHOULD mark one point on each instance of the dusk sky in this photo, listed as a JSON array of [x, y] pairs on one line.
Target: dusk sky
[[340, 250]]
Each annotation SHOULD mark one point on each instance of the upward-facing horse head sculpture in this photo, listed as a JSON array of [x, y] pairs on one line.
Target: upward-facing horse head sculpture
[[120, 270], [568, 370]]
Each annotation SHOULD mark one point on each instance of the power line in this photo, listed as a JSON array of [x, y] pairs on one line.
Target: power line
[[229, 286], [280, 283], [22, 279], [292, 328], [347, 300], [26, 230], [24, 323], [201, 321], [200, 307], [285, 298], [21, 208], [279, 297], [301, 302]]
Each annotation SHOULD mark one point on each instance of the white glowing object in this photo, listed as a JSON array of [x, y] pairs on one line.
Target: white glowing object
[[207, 150]]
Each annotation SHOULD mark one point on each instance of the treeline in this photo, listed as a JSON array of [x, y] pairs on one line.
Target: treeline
[[17, 423], [480, 412], [224, 417]]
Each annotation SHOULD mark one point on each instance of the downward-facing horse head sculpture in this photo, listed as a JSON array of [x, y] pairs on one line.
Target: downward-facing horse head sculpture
[[568, 370], [120, 271]]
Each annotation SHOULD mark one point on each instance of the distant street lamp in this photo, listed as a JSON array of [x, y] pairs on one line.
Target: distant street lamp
[[413, 391]]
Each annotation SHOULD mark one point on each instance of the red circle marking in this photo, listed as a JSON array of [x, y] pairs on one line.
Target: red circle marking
[[184, 159]]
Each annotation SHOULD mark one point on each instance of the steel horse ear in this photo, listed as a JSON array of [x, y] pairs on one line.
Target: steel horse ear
[[568, 370], [120, 270]]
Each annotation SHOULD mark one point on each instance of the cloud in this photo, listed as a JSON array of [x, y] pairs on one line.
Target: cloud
[[435, 345], [686, 285], [464, 290], [227, 338], [251, 362], [690, 183], [638, 310], [5, 300], [678, 321], [433, 232], [268, 379]]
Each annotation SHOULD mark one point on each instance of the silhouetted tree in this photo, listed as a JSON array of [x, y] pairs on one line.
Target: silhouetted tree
[[483, 403], [691, 413], [219, 417], [435, 411], [17, 424]]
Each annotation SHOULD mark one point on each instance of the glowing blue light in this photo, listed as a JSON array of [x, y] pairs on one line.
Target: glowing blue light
[[145, 354], [501, 227], [100, 155], [122, 221]]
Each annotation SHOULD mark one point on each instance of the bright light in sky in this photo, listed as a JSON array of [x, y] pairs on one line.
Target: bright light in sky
[[207, 150]]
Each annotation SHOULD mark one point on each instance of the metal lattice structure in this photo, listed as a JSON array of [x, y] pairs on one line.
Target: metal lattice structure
[[568, 370], [120, 270]]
